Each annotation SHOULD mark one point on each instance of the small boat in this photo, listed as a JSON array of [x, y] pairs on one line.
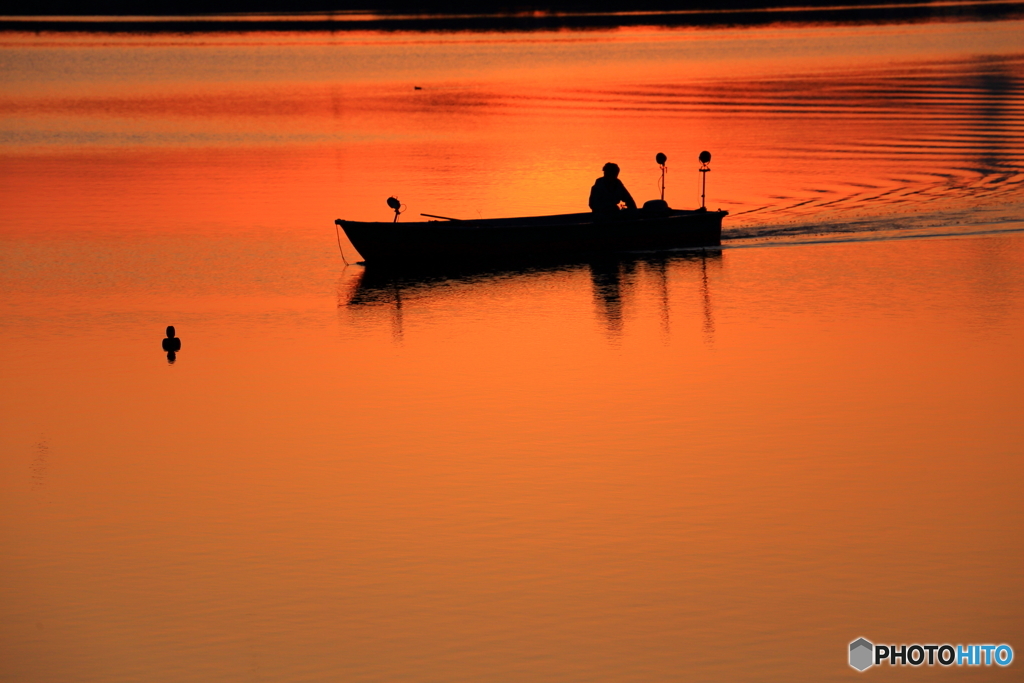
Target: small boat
[[651, 228], [654, 227]]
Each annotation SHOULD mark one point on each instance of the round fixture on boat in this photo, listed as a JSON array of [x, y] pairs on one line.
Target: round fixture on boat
[[661, 159], [396, 205], [705, 159]]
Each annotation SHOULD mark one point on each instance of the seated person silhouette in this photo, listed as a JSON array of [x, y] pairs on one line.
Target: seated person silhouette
[[608, 191]]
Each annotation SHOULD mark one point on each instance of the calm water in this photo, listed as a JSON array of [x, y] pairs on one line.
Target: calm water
[[713, 466]]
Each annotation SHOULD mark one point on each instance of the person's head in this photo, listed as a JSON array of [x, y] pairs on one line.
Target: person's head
[[170, 331], [611, 170]]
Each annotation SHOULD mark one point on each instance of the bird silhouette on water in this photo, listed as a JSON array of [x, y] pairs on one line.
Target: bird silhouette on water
[[171, 344]]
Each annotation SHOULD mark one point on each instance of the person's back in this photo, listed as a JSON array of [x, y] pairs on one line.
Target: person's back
[[608, 191]]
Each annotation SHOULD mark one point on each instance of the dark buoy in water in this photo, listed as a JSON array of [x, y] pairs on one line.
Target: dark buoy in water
[[171, 344]]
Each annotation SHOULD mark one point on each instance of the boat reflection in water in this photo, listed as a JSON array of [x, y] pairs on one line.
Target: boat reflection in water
[[615, 282]]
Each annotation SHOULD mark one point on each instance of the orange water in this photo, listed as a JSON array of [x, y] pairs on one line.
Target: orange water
[[719, 466]]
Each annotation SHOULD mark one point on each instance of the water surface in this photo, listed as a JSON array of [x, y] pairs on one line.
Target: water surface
[[713, 465]]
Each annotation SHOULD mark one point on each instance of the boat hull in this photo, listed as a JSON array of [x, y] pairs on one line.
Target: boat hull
[[537, 237]]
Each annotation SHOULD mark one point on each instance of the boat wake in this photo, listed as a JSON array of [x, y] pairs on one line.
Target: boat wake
[[988, 220]]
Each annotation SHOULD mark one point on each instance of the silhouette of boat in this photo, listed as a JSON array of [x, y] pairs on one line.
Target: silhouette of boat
[[652, 228]]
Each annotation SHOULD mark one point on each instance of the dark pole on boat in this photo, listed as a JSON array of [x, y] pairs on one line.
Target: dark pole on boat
[[705, 159], [661, 159]]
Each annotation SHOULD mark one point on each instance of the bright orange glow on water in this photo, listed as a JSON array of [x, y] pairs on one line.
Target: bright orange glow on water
[[720, 465]]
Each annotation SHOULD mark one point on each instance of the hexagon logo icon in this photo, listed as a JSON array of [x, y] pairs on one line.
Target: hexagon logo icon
[[861, 654]]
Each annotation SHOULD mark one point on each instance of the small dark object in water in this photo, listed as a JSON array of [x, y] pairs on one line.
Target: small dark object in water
[[416, 87], [171, 343]]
